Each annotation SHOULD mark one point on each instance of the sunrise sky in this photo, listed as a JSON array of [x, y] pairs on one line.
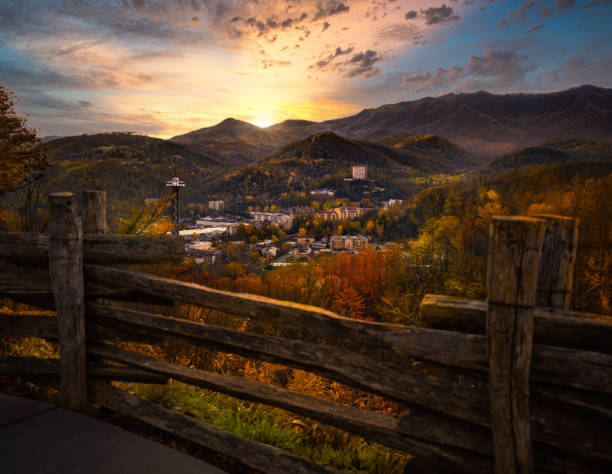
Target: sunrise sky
[[167, 67]]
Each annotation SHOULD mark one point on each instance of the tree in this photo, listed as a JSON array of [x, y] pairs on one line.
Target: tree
[[22, 156]]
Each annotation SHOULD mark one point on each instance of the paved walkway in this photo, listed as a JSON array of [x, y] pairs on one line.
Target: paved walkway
[[39, 438]]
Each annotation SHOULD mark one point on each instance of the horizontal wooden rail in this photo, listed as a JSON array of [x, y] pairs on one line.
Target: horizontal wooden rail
[[253, 454], [404, 434], [570, 329], [317, 321], [401, 434], [549, 421], [36, 290], [439, 347], [579, 369], [18, 326], [564, 367], [33, 248], [265, 458], [33, 367], [388, 380]]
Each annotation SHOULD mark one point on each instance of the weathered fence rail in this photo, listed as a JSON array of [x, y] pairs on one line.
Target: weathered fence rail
[[538, 377]]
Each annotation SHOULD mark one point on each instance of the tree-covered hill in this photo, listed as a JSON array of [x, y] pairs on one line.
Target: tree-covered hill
[[326, 159], [430, 152], [130, 167], [481, 122], [553, 152]]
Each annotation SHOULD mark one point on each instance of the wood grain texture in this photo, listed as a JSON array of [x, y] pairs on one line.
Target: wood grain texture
[[32, 367], [66, 275], [316, 321], [570, 329], [556, 273], [550, 405], [94, 212], [412, 433], [388, 380], [515, 247], [574, 433], [566, 367], [37, 291], [33, 248], [253, 454]]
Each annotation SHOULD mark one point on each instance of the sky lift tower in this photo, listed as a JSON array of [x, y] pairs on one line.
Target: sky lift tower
[[176, 184]]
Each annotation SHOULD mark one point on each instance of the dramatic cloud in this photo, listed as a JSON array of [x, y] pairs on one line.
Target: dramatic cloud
[[579, 70], [437, 15], [363, 64], [323, 63], [328, 8], [169, 66], [426, 81], [496, 70]]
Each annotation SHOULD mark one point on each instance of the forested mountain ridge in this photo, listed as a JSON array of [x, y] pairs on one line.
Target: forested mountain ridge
[[481, 122], [241, 143], [131, 167], [430, 152], [492, 123], [553, 152], [326, 159]]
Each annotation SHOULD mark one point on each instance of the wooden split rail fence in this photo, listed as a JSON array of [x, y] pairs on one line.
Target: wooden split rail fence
[[542, 401]]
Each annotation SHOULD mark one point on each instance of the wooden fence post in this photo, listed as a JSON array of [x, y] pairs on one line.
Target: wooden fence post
[[515, 246], [94, 212], [556, 273], [66, 274]]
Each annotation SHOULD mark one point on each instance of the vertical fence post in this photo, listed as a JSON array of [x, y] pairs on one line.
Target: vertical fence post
[[94, 212], [515, 246], [556, 273], [66, 273]]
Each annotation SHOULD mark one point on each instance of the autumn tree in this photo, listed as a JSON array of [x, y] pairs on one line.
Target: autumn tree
[[22, 156]]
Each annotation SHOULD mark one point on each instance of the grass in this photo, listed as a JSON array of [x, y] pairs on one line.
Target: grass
[[304, 437]]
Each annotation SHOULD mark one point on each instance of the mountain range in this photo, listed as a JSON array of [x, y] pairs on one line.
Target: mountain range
[[482, 123], [400, 143]]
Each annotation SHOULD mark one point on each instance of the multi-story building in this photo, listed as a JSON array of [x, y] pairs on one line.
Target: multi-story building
[[207, 257], [341, 213], [232, 229], [360, 172], [278, 219], [327, 215], [323, 192], [216, 205], [393, 202], [348, 242]]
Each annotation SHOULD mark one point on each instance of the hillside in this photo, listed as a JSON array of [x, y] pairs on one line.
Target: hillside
[[323, 159], [238, 142], [326, 159], [130, 167], [481, 122], [491, 123], [430, 152], [550, 153]]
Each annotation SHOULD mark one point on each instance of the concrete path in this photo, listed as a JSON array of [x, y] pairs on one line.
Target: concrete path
[[39, 438]]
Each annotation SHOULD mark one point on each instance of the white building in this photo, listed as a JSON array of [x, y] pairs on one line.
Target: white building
[[283, 221], [393, 202], [216, 205], [232, 228], [348, 242], [323, 192], [360, 172]]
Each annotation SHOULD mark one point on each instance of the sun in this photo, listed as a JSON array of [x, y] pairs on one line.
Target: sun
[[263, 121]]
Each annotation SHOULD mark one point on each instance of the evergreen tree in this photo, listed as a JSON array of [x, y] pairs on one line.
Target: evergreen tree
[[22, 156]]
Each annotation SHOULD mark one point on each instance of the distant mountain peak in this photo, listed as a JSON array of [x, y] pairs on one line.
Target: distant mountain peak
[[480, 122]]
